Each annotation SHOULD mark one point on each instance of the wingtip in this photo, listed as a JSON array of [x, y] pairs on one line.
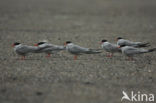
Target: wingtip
[[152, 50], [147, 44]]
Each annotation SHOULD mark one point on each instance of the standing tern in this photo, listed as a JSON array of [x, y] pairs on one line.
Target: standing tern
[[78, 50], [109, 47], [131, 51], [48, 48], [121, 41], [23, 50]]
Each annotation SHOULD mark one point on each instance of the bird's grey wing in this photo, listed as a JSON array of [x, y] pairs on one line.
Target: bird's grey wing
[[23, 49], [108, 47], [125, 42], [77, 49], [57, 47], [129, 43], [135, 51], [51, 48], [44, 48], [142, 44], [122, 42], [47, 46], [136, 44], [112, 48], [32, 49], [115, 48]]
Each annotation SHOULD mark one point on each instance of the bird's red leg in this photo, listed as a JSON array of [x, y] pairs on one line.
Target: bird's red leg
[[48, 55], [23, 58], [110, 55], [75, 57], [130, 59]]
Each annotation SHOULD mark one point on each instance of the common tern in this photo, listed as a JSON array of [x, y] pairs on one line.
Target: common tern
[[121, 41], [131, 51], [23, 50], [48, 48], [78, 50], [109, 47]]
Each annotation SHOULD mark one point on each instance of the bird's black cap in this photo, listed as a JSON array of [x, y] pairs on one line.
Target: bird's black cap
[[68, 42], [119, 38], [103, 41], [40, 43], [16, 43], [122, 45]]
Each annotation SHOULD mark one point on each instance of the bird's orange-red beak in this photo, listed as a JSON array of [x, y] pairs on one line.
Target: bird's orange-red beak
[[119, 47], [12, 45], [35, 44], [65, 44], [100, 42]]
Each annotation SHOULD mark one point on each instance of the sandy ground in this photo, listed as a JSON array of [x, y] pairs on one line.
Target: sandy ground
[[91, 78]]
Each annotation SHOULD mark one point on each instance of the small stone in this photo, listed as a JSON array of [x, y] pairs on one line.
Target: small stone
[[39, 93], [14, 78], [3, 90]]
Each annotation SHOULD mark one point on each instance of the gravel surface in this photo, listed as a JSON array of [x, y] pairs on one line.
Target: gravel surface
[[91, 78]]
